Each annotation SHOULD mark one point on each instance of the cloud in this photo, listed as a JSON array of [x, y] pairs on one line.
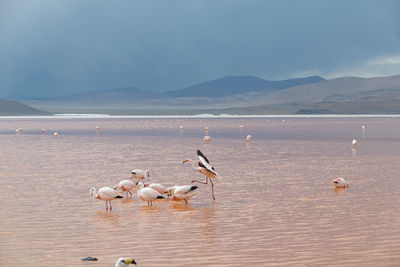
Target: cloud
[[52, 48]]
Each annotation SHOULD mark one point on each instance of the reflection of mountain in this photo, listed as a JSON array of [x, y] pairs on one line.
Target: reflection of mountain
[[243, 95], [8, 107]]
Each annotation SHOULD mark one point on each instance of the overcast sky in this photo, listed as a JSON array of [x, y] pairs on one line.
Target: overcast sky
[[51, 48]]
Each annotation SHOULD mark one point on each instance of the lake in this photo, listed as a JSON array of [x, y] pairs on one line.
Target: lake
[[275, 202]]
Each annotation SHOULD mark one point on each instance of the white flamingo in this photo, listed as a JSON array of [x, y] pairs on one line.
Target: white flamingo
[[248, 138], [340, 183], [105, 193], [148, 194], [140, 174], [124, 262], [354, 143], [204, 168], [55, 134], [183, 192], [207, 138]]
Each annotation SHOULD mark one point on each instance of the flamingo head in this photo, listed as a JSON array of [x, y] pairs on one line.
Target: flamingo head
[[122, 262], [186, 160]]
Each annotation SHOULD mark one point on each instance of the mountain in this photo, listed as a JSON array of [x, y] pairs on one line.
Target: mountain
[[117, 95], [234, 85], [12, 108], [247, 95]]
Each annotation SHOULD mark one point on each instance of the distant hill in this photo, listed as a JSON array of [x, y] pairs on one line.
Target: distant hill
[[12, 108], [233, 85], [117, 95], [243, 95]]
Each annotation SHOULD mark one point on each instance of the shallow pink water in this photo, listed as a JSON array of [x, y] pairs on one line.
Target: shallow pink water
[[275, 203]]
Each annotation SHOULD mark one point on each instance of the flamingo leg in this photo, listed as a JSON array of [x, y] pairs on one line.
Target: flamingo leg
[[212, 189], [106, 205], [186, 202], [110, 205], [195, 181]]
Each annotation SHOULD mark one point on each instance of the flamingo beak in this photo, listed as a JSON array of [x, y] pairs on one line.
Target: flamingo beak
[[185, 161]]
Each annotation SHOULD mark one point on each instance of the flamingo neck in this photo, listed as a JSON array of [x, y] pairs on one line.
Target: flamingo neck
[[192, 162], [93, 192]]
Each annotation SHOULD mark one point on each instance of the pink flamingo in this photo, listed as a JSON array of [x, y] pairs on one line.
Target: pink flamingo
[[183, 192], [125, 185], [204, 168], [105, 193], [148, 194]]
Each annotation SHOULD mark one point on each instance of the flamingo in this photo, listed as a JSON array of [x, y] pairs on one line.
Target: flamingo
[[183, 192], [354, 143], [125, 185], [148, 194], [140, 174], [204, 168], [55, 134], [158, 187], [98, 128], [248, 138], [105, 193], [123, 262], [181, 127], [207, 138], [206, 129], [19, 131], [241, 126], [340, 183], [43, 131]]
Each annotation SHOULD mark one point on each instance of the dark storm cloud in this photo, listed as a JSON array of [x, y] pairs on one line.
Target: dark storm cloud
[[52, 48]]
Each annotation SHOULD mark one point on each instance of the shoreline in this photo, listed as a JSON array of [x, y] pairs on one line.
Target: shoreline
[[202, 116]]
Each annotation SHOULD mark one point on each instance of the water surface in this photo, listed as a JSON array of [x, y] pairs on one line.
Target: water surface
[[275, 203]]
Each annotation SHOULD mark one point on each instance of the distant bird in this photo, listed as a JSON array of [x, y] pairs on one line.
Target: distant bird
[[89, 259], [248, 138], [183, 192], [125, 185], [354, 143], [55, 134], [140, 174], [43, 131], [363, 127], [207, 138], [98, 128], [204, 168], [241, 126], [206, 129], [148, 194], [124, 262], [181, 127], [340, 183], [19, 131], [105, 193]]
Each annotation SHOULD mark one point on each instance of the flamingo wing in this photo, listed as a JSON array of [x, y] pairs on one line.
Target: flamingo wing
[[204, 162]]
